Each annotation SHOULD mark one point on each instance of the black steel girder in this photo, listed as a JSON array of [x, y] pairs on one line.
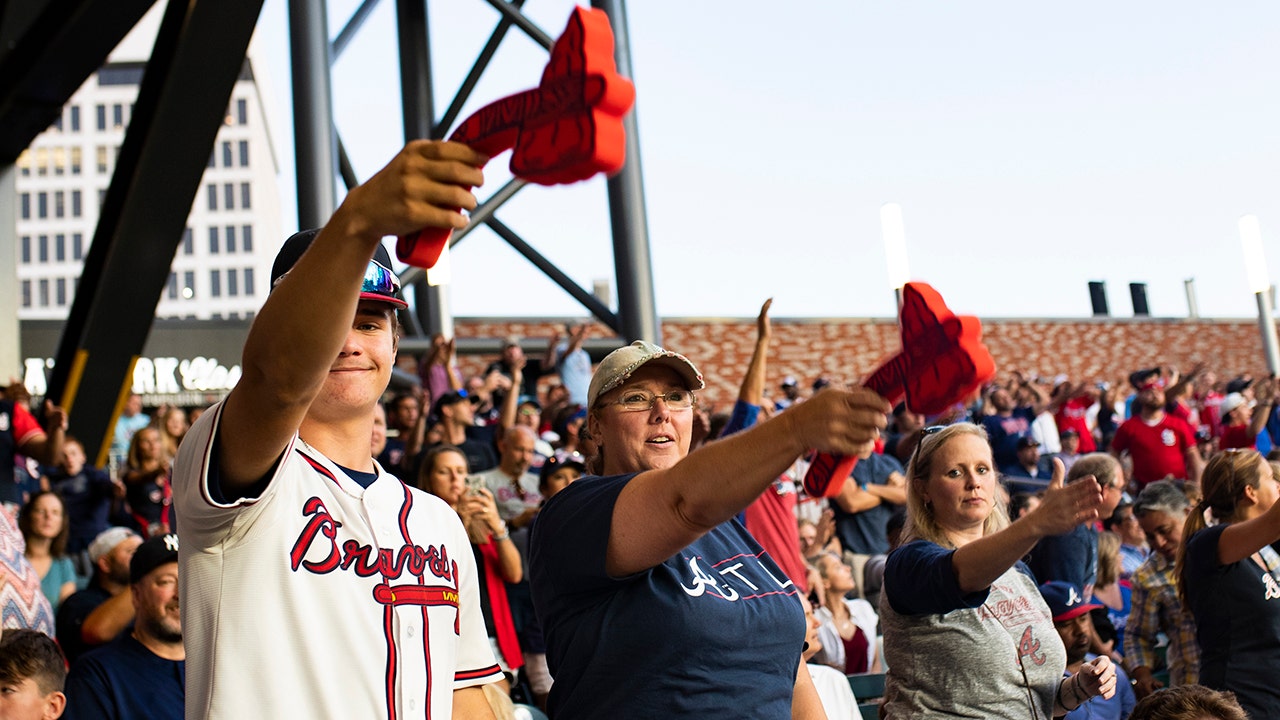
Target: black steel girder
[[53, 51], [198, 56]]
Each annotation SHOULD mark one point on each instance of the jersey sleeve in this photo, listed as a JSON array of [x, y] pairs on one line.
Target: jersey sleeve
[[25, 427], [207, 517], [919, 579], [475, 662]]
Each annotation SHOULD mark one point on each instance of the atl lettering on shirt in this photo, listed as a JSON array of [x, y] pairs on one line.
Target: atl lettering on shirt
[[363, 601]]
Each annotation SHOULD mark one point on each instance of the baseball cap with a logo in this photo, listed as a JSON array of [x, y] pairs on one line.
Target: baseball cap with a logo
[[151, 554], [1065, 600], [380, 282]]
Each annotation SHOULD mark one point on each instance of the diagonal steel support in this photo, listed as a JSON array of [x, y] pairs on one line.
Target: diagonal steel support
[[512, 12], [589, 301], [199, 51], [348, 32], [473, 77], [63, 45]]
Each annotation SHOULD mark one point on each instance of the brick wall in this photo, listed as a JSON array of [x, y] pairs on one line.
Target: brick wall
[[843, 349]]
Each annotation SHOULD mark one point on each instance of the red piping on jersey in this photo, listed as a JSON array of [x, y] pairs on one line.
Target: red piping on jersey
[[473, 674]]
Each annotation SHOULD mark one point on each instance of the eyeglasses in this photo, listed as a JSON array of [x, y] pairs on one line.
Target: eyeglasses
[[380, 280], [643, 400]]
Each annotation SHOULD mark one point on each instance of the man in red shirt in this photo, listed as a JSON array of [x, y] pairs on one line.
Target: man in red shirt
[[1161, 445], [1070, 403]]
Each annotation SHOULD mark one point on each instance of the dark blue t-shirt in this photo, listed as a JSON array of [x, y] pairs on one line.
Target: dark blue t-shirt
[[125, 681], [87, 497], [1237, 612], [1071, 557], [1004, 433], [866, 532], [714, 631]]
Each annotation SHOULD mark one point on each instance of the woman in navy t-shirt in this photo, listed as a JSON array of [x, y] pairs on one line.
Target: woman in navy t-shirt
[[1229, 578], [654, 600]]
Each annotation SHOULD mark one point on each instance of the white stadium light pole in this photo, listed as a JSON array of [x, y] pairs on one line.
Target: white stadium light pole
[[895, 247], [1255, 267]]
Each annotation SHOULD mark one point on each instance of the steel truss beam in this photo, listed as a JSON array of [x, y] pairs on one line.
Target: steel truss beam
[[198, 55]]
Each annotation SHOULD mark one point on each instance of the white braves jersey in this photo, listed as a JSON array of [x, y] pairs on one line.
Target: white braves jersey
[[322, 599]]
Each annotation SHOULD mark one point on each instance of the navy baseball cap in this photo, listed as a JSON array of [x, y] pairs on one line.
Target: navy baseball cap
[[380, 281], [1065, 600], [151, 554], [553, 464]]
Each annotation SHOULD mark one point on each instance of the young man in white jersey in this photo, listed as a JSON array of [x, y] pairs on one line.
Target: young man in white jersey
[[316, 584]]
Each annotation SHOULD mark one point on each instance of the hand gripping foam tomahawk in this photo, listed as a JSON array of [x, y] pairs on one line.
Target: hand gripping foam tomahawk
[[563, 131], [942, 361]]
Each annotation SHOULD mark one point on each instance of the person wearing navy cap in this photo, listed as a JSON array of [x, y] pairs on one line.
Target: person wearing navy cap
[[1071, 619], [141, 674], [318, 584]]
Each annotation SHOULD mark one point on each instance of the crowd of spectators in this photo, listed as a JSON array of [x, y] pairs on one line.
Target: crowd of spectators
[[1166, 451]]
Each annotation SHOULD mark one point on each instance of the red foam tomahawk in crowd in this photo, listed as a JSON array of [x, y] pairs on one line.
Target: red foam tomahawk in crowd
[[567, 129], [942, 362]]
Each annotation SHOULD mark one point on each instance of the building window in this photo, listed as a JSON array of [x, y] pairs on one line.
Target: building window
[[242, 111], [42, 245], [26, 293], [75, 118], [231, 238], [24, 163], [189, 284], [60, 204], [122, 74], [42, 161], [102, 197], [215, 283], [117, 116], [77, 246], [226, 153], [244, 153], [60, 247], [103, 159], [57, 123], [246, 238], [44, 292], [172, 286], [60, 292], [102, 117], [188, 245], [59, 161], [244, 197], [229, 196], [26, 206], [213, 240], [213, 196], [213, 159], [42, 205], [77, 158], [77, 204], [233, 288], [26, 249], [248, 282]]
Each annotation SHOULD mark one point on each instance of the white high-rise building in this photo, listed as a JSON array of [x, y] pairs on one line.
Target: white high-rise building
[[222, 267]]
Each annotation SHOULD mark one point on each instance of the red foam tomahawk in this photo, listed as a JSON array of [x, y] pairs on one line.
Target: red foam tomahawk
[[942, 361], [567, 129]]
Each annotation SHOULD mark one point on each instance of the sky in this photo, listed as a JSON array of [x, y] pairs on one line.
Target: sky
[[1033, 147]]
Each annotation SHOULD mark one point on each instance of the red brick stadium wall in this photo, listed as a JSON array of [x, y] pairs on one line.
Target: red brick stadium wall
[[843, 349]]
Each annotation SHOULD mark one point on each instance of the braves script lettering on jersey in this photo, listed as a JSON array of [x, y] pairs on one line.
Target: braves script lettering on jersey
[[321, 598]]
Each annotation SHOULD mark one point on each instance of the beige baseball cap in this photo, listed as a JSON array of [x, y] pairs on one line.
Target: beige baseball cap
[[618, 365]]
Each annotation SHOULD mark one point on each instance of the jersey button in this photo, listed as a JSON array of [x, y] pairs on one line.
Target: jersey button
[[410, 631]]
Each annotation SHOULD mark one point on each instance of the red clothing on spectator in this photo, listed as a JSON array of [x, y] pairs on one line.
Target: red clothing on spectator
[[1071, 416], [1157, 450], [771, 519], [1237, 436], [855, 652]]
